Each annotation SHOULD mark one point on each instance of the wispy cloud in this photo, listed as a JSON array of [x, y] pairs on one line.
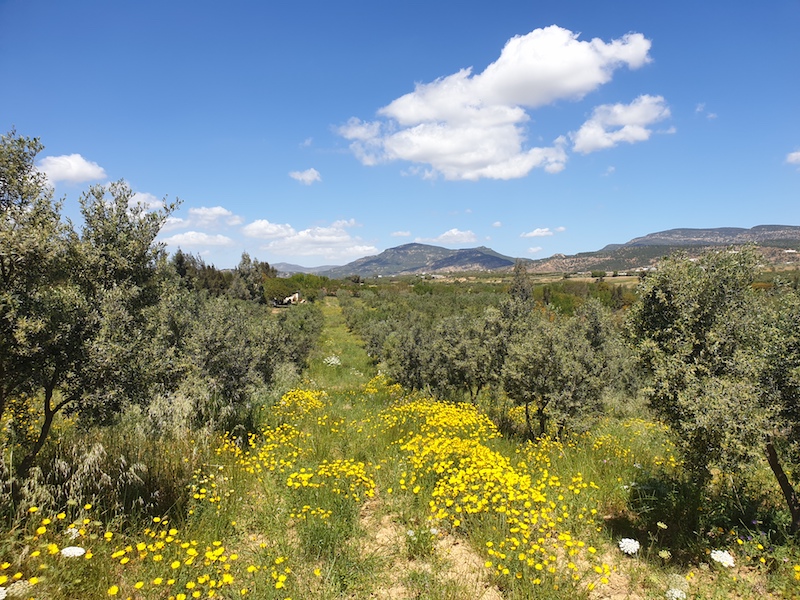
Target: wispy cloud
[[401, 234], [451, 237], [332, 242], [701, 109], [469, 126], [542, 232], [793, 158], [306, 177]]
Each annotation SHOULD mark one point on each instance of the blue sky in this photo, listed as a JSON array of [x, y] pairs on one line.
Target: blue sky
[[320, 132]]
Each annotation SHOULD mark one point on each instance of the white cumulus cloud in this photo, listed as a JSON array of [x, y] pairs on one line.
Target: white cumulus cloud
[[147, 200], [263, 229], [538, 232], [535, 250], [72, 168], [331, 242], [306, 177], [197, 238], [173, 223], [612, 124], [451, 237], [469, 126], [209, 216], [793, 158]]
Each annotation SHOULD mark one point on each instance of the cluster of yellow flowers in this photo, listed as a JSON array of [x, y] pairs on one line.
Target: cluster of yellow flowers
[[381, 384], [429, 416], [307, 511], [448, 448], [274, 449], [333, 425], [295, 404], [344, 477], [176, 568], [206, 487]]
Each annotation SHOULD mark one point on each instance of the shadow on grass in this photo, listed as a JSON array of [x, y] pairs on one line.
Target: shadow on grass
[[670, 513]]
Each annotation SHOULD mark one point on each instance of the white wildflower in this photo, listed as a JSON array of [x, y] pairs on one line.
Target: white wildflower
[[2, 592], [72, 532], [73, 551], [675, 594], [629, 546], [332, 361], [723, 557], [18, 589]]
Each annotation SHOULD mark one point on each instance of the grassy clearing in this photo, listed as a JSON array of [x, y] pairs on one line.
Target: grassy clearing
[[352, 489]]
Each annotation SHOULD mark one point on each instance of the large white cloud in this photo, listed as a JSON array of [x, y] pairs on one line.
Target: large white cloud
[[611, 124], [72, 168], [467, 126]]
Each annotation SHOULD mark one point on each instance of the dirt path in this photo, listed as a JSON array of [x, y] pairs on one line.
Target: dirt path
[[454, 568], [453, 571]]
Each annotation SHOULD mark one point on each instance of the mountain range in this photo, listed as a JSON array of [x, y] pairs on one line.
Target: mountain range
[[777, 243]]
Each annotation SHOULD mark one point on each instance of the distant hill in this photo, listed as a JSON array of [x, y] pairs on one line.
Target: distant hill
[[286, 269], [724, 236], [777, 243], [422, 258]]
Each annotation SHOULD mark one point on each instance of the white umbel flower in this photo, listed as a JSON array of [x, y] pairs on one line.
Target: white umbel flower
[[723, 557], [675, 594], [73, 551], [629, 546], [332, 361]]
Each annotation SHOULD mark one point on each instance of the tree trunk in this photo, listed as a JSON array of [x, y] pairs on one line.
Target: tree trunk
[[528, 420], [542, 420], [789, 493], [49, 412]]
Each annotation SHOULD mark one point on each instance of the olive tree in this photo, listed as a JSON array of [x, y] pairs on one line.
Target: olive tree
[[723, 363], [464, 353], [33, 265], [558, 366], [72, 306]]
